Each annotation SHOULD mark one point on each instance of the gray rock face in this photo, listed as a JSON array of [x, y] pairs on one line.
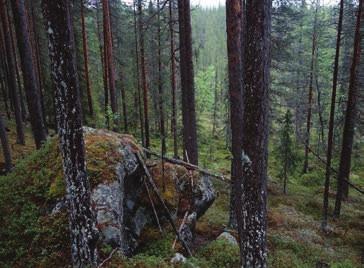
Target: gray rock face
[[123, 209], [228, 237], [178, 258]]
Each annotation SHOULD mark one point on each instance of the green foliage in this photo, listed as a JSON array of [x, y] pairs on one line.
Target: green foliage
[[313, 178], [284, 149], [24, 196], [205, 89]]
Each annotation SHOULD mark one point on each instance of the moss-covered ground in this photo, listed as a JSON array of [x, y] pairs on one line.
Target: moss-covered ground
[[30, 237]]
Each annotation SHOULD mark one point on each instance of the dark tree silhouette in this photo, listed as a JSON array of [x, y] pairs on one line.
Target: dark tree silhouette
[[5, 146], [330, 136], [310, 89], [350, 117], [187, 83], [11, 76], [233, 25], [28, 67], [137, 67], [173, 79], [84, 234], [85, 59], [160, 84], [143, 73]]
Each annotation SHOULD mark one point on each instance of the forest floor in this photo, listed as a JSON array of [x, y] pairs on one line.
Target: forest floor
[[294, 235]]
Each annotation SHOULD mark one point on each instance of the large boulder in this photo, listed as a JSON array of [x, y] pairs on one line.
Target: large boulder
[[122, 198]]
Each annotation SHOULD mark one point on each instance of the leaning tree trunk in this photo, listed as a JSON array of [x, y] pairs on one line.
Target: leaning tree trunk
[[84, 234], [252, 222], [173, 80], [310, 91], [350, 117], [85, 59], [187, 83], [332, 119], [28, 70], [11, 74], [5, 146], [234, 25]]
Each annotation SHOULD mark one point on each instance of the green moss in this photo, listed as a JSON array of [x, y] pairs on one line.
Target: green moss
[[220, 253]]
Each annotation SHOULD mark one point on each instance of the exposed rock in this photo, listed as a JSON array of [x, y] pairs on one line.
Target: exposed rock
[[178, 259], [228, 237], [119, 196]]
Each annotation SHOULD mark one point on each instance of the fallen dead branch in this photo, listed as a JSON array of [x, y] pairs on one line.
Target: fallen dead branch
[[188, 165], [323, 161], [159, 196]]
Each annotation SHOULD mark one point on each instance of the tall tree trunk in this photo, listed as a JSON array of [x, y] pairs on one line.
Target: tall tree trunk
[[330, 136], [143, 73], [123, 101], [173, 79], [11, 75], [187, 83], [28, 71], [85, 59], [35, 44], [310, 90], [252, 222], [108, 47], [3, 75], [3, 91], [13, 40], [5, 146], [350, 117], [138, 75], [234, 36], [321, 131], [160, 85], [103, 55], [82, 225]]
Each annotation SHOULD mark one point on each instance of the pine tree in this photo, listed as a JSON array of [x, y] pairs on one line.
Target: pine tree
[[330, 136], [252, 222], [11, 75], [285, 149], [187, 83], [233, 24], [84, 234], [31, 85], [350, 117], [5, 146]]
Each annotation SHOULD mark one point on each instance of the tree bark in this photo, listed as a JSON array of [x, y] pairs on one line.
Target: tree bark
[[252, 222], [84, 234], [11, 75], [160, 85], [187, 83], [173, 79], [138, 76], [310, 90], [85, 58], [28, 70], [332, 119], [350, 117], [234, 36], [143, 73], [108, 47], [5, 146]]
